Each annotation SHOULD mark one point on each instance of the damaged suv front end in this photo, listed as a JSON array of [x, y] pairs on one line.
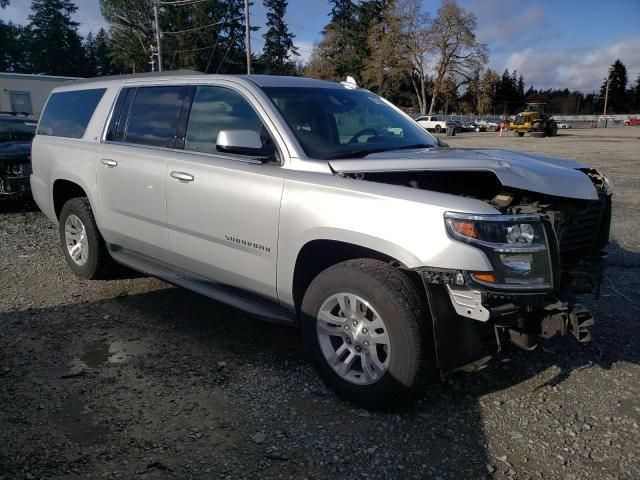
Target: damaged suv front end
[[544, 245], [16, 133]]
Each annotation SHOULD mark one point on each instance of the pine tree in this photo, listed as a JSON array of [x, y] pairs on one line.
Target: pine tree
[[97, 52], [55, 45], [278, 41], [617, 98], [101, 54]]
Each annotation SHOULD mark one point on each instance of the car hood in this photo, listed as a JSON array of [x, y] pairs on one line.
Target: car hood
[[15, 151], [550, 176]]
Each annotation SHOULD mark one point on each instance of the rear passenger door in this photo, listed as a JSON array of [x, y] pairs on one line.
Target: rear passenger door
[[223, 209], [132, 168]]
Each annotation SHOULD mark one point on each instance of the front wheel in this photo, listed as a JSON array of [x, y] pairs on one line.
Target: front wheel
[[362, 328]]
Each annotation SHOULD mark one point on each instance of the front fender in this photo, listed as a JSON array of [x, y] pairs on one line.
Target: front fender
[[402, 223]]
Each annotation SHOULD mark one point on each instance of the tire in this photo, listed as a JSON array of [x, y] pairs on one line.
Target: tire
[[493, 128], [390, 297], [520, 134], [94, 261], [438, 129]]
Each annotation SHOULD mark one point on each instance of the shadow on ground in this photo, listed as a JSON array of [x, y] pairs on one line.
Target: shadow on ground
[[171, 384]]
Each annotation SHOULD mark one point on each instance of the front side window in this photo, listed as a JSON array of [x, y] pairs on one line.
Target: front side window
[[153, 119], [334, 123], [215, 109], [67, 114]]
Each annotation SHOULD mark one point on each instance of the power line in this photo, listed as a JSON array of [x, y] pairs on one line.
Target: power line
[[180, 2], [198, 28], [189, 50]]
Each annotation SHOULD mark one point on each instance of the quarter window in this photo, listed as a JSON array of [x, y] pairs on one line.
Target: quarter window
[[154, 116], [219, 108], [67, 114]]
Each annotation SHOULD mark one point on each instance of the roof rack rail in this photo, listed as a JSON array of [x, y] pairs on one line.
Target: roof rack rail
[[127, 76]]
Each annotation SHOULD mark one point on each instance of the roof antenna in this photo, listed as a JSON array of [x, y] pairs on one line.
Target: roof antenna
[[350, 82]]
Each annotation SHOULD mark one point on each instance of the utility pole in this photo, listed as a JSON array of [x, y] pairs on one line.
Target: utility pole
[[247, 30], [155, 17], [606, 92]]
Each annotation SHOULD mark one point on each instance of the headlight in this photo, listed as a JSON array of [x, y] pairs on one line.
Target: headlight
[[606, 183], [516, 246]]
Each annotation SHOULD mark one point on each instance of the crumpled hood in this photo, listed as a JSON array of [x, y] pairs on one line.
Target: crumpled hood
[[535, 173]]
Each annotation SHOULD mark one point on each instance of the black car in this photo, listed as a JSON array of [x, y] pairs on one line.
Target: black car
[[16, 133]]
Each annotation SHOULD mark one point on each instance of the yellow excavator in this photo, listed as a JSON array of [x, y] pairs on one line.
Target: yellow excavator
[[534, 121]]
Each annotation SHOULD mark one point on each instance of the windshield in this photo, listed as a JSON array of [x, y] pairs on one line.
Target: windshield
[[332, 123], [14, 130]]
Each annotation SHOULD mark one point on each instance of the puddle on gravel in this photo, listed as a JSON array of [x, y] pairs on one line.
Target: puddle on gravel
[[105, 351], [79, 424]]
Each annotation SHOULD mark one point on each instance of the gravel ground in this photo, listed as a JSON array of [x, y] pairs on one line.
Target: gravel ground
[[137, 379]]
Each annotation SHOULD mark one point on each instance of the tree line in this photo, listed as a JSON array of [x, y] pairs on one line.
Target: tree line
[[421, 62], [207, 35], [436, 64]]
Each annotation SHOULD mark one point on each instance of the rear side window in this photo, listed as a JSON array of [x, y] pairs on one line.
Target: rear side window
[[67, 114], [154, 115]]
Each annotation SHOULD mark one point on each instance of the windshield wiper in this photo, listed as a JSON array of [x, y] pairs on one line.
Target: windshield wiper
[[364, 152]]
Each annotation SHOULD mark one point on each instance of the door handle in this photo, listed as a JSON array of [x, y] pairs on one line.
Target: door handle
[[183, 177], [109, 163]]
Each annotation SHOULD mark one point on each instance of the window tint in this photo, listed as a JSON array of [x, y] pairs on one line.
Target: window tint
[[67, 114], [218, 108], [154, 116]]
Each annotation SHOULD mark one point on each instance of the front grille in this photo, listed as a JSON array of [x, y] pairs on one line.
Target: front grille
[[584, 232]]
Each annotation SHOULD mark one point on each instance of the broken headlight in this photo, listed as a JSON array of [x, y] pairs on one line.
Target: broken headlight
[[516, 246]]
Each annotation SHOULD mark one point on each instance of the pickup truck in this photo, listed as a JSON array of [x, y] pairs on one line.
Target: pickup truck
[[324, 207], [433, 123]]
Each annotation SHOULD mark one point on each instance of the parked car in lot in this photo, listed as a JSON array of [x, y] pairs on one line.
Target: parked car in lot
[[16, 133], [632, 121], [488, 125], [432, 123], [323, 206]]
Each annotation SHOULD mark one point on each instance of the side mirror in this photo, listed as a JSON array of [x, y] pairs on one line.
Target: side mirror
[[244, 142]]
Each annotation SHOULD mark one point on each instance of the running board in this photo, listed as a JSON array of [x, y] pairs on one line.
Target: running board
[[234, 297]]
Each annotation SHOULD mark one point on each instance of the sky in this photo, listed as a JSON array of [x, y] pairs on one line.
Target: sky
[[553, 43]]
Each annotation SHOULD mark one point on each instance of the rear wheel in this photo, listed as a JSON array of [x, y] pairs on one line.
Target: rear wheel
[[438, 129], [520, 134], [83, 246], [361, 324]]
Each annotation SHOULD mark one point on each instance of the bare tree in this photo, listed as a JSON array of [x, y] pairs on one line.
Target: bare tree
[[416, 32], [453, 43]]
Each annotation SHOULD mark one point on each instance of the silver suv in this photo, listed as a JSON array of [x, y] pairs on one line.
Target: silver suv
[[322, 205]]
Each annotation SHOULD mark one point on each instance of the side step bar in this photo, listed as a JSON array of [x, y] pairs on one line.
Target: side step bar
[[234, 297]]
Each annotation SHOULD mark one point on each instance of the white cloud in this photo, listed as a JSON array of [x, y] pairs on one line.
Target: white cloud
[[88, 15], [579, 68]]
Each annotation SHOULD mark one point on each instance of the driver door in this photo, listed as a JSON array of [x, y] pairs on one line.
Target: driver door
[[223, 209]]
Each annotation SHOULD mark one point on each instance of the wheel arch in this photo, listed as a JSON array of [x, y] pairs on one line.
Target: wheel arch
[[319, 254], [64, 190]]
